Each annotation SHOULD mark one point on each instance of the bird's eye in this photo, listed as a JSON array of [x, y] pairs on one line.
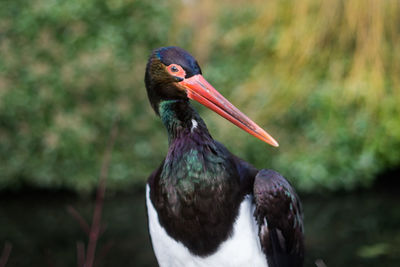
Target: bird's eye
[[176, 71]]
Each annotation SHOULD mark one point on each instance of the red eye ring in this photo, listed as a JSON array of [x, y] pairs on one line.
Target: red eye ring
[[176, 70]]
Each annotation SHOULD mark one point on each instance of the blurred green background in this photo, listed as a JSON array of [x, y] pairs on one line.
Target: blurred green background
[[321, 76]]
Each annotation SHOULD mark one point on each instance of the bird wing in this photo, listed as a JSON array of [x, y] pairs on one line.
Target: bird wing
[[279, 218]]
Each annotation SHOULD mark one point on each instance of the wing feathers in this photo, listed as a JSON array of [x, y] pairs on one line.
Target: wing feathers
[[279, 216]]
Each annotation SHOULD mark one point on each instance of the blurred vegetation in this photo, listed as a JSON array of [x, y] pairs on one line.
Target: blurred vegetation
[[321, 77]]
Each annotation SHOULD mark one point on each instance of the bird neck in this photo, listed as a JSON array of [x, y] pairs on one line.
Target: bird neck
[[194, 160], [181, 120]]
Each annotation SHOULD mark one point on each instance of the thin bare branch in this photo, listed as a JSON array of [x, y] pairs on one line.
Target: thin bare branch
[[96, 221], [80, 251], [74, 213]]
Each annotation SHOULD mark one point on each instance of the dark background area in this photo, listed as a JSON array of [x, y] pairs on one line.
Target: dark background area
[[357, 229]]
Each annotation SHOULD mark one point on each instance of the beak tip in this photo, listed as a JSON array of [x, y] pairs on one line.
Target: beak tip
[[275, 144], [270, 140]]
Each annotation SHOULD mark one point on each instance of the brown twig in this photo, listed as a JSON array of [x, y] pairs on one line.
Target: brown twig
[[96, 221], [80, 252], [74, 213], [5, 254]]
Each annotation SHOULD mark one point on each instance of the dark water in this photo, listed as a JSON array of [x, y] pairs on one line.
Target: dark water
[[361, 229]]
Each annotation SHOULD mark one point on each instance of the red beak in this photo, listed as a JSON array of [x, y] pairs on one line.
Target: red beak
[[200, 90]]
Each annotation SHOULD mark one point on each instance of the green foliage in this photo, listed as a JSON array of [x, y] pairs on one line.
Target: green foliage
[[68, 68], [321, 77], [326, 81]]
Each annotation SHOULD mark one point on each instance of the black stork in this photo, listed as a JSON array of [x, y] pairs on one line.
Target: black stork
[[206, 207]]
